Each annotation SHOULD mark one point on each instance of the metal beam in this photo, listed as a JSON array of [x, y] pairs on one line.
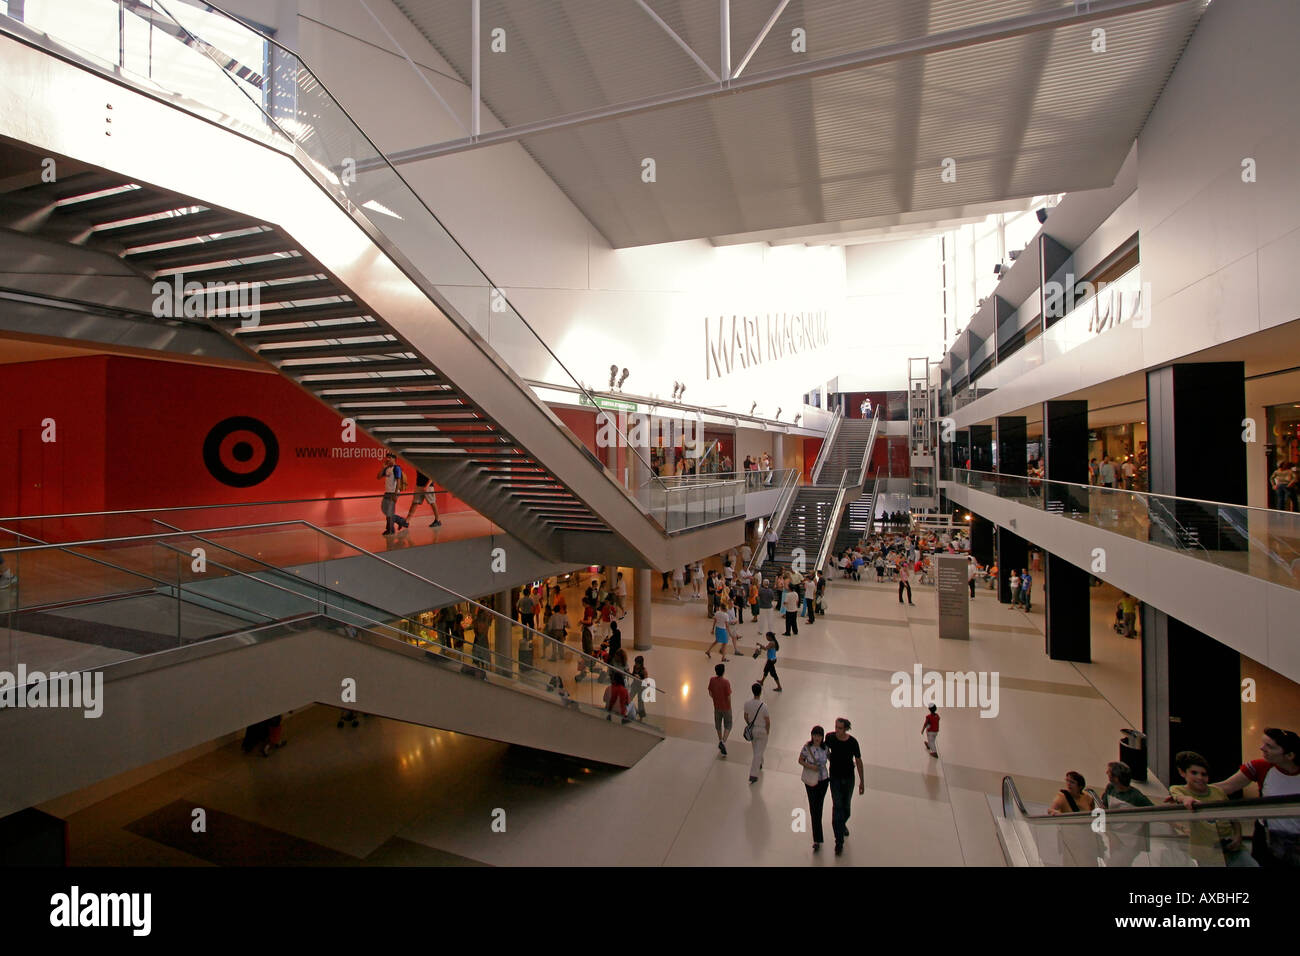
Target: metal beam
[[950, 40], [762, 35], [679, 41], [725, 33], [476, 87]]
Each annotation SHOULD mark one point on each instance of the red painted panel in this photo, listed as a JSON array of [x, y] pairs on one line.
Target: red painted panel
[[133, 433]]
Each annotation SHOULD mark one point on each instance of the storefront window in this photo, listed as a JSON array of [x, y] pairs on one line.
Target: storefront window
[[1283, 449]]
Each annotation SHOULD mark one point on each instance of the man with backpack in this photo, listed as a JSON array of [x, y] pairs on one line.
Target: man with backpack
[[394, 484]]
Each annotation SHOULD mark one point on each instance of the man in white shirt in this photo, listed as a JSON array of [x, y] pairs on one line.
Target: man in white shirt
[[770, 539], [391, 474]]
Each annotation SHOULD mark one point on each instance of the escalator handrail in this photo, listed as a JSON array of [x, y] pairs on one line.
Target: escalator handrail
[[1243, 809]]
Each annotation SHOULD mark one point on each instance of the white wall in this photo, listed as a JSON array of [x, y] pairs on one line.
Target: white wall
[[895, 312]]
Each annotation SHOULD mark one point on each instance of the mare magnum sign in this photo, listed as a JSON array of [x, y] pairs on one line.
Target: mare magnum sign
[[747, 341]]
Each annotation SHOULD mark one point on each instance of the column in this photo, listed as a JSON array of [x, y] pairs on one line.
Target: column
[[504, 646], [778, 451], [1067, 594], [981, 539], [1012, 434], [1191, 697], [1194, 415], [1191, 691], [981, 450], [1067, 605], [1013, 553], [641, 639]]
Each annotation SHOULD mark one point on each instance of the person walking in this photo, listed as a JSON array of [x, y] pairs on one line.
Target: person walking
[[904, 581], [758, 723], [527, 608], [557, 627], [1026, 584], [810, 598], [424, 493], [640, 675], [770, 540], [766, 604], [722, 634], [1015, 588], [769, 667], [930, 731], [815, 761], [391, 474], [844, 756], [720, 694], [616, 697], [790, 603], [971, 572]]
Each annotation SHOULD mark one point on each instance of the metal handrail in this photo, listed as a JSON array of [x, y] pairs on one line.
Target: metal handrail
[[827, 441], [780, 512], [832, 525], [1126, 491]]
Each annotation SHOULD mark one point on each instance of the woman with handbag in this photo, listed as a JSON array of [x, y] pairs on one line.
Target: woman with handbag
[[816, 779], [757, 727]]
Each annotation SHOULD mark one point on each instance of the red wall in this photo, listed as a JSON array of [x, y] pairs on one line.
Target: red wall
[[811, 449], [583, 424], [65, 475], [132, 433]]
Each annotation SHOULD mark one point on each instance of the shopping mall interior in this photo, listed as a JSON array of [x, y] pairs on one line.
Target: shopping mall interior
[[402, 396]]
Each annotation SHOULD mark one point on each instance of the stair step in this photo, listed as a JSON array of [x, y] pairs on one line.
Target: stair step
[[275, 351], [281, 267], [216, 250], [351, 368], [188, 226], [307, 313], [266, 334], [298, 291]]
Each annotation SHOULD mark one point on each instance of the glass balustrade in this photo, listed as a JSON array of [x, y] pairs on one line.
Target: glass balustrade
[[91, 604], [1166, 835], [1260, 542]]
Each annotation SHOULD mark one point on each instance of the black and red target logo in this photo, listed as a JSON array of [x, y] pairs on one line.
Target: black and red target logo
[[241, 451]]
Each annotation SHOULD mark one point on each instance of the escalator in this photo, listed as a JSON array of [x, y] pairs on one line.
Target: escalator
[[1164, 835], [190, 653], [287, 230]]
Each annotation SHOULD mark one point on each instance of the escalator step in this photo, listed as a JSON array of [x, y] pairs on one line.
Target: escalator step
[[281, 267]]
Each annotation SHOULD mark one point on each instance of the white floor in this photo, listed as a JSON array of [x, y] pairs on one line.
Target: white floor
[[357, 791]]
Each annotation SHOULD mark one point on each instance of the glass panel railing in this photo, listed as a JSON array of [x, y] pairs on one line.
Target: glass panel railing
[[1165, 835], [216, 66], [1261, 542], [91, 604]]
